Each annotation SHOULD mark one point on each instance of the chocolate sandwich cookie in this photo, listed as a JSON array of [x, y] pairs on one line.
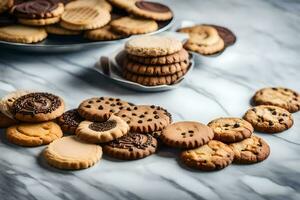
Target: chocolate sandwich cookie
[[131, 146], [69, 121], [38, 107]]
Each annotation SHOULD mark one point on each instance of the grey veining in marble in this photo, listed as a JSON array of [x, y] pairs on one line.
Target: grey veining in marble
[[266, 54]]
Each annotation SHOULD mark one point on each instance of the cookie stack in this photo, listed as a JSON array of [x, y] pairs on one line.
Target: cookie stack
[[155, 60]]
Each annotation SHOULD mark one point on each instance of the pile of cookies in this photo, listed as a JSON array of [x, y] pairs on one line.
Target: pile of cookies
[[30, 21], [155, 60], [208, 39]]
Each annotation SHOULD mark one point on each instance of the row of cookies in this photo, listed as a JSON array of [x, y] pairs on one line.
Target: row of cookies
[[97, 18]]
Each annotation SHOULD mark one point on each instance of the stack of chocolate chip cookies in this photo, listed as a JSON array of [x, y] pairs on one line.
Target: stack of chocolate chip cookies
[[155, 60]]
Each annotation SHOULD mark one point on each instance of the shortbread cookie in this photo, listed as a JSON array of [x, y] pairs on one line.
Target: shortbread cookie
[[38, 107], [186, 134], [227, 35], [155, 70], [6, 121], [33, 134], [269, 119], [145, 119], [214, 155], [38, 22], [69, 121], [278, 96], [104, 33], [133, 25], [100, 132], [123, 4], [153, 46], [151, 10], [250, 150], [5, 5], [230, 129], [22, 34], [205, 50], [103, 4], [7, 101], [56, 29], [154, 80], [177, 57], [101, 108], [131, 146], [84, 18], [72, 153]]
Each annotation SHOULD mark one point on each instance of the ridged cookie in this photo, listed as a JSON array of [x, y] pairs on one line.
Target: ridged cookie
[[94, 3]]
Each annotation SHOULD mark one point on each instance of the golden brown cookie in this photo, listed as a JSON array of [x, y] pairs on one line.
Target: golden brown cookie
[[155, 70], [230, 129], [103, 4], [101, 108], [69, 121], [133, 25], [186, 134], [33, 134], [153, 46], [250, 150], [123, 4], [145, 119], [22, 34], [56, 29], [104, 33], [5, 5], [214, 155], [6, 121], [278, 96], [72, 153], [269, 119], [205, 50], [38, 107], [38, 22], [176, 57], [100, 132]]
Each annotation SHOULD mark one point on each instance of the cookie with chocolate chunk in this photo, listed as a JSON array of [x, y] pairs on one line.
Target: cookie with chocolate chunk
[[99, 132], [101, 108], [269, 119], [69, 121], [131, 146]]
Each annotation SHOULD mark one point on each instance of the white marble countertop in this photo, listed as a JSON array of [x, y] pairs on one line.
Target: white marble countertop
[[266, 54]]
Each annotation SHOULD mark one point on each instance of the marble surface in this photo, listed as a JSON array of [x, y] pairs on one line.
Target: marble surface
[[266, 54]]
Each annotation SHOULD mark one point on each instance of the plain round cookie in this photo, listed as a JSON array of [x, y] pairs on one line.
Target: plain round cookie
[[204, 49], [214, 155], [153, 46], [32, 135], [103, 33], [186, 134], [250, 150], [6, 121], [22, 34], [101, 108], [39, 22], [71, 153], [145, 119], [100, 132], [230, 129], [131, 146], [69, 121], [269, 119], [278, 96], [38, 107]]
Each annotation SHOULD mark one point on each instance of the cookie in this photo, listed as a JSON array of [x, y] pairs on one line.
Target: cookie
[[104, 33], [38, 107], [227, 35], [151, 10], [71, 153], [250, 150], [32, 135], [269, 119], [7, 101], [6, 121], [154, 80], [131, 146], [133, 25], [84, 18], [186, 134], [22, 34], [180, 56], [5, 5], [153, 46], [39, 22], [155, 70], [214, 155], [230, 129], [55, 29], [278, 96], [123, 4], [205, 50], [101, 108], [145, 119], [69, 121], [103, 4], [100, 132]]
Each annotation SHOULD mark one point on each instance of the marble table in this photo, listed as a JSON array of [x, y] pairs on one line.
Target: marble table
[[266, 54]]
